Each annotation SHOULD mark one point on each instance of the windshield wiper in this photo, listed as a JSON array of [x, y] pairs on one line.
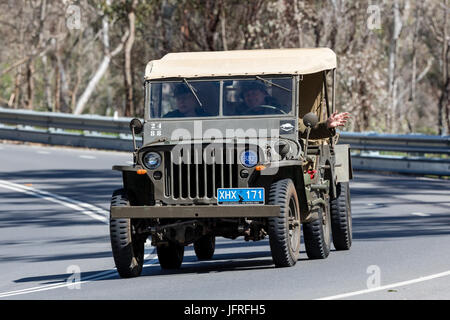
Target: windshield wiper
[[273, 84], [193, 91]]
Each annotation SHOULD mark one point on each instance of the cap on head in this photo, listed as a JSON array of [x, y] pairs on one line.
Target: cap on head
[[253, 85], [180, 89]]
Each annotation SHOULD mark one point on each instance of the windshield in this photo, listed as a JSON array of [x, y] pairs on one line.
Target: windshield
[[200, 98], [181, 99], [262, 96]]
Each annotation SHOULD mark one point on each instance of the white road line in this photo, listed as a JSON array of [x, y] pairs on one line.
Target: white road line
[[93, 212], [420, 214], [99, 276], [87, 157], [389, 286], [91, 207], [85, 208], [43, 152]]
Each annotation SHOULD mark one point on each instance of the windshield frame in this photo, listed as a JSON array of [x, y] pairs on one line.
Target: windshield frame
[[292, 113]]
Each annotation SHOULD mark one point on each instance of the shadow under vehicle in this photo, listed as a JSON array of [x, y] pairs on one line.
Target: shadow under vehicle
[[212, 165]]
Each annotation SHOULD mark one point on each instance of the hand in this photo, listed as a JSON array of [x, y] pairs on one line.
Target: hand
[[337, 120]]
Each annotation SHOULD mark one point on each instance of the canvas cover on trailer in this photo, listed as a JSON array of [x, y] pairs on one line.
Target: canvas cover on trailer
[[241, 63]]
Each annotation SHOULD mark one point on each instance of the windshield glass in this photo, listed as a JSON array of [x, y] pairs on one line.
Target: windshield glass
[[183, 99], [262, 96], [200, 98]]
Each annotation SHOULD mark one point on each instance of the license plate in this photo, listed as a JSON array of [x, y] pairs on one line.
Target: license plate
[[240, 196]]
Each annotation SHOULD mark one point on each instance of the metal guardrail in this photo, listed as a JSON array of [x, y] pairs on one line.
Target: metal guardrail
[[65, 121], [93, 131], [89, 131], [370, 151], [410, 143], [422, 154]]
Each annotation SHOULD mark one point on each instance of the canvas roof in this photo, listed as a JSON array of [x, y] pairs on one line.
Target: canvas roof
[[241, 63]]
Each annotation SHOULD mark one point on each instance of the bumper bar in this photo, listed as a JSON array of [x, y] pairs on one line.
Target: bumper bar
[[195, 211]]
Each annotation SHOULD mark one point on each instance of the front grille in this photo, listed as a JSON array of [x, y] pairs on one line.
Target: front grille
[[189, 176]]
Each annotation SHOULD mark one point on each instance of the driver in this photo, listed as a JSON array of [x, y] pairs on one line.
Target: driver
[[255, 95]]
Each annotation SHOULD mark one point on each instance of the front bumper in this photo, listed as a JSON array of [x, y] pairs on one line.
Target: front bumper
[[213, 211]]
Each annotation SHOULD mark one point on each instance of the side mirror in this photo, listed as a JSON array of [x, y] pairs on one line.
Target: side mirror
[[137, 125], [310, 120]]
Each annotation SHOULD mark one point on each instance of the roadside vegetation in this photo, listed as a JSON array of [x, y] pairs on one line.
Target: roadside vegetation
[[89, 56]]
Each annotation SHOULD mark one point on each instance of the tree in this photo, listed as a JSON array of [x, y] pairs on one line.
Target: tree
[[393, 78], [102, 68]]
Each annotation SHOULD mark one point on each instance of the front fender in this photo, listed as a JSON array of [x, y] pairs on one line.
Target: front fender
[[139, 187]]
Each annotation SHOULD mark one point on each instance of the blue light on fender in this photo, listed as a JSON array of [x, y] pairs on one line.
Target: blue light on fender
[[249, 158]]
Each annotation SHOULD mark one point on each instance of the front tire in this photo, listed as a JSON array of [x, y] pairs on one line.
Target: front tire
[[127, 246], [284, 230]]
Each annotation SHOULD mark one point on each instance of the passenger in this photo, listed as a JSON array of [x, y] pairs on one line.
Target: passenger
[[187, 104], [325, 129], [258, 101]]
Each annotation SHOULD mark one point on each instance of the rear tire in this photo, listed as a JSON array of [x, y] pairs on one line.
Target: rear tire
[[341, 217], [284, 230], [204, 247], [127, 246], [317, 235], [170, 256]]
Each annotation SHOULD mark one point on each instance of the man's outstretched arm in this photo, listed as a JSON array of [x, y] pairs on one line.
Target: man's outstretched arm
[[325, 129]]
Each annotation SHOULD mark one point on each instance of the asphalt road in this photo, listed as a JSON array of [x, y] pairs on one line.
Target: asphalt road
[[53, 231]]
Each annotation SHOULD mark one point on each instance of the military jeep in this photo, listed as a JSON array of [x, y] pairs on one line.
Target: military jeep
[[217, 162]]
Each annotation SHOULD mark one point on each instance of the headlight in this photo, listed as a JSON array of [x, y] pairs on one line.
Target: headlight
[[249, 158], [152, 160]]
